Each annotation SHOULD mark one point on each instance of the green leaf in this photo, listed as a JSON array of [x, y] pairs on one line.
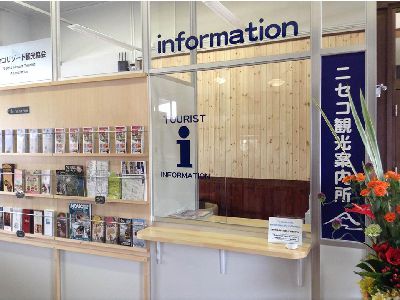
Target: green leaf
[[371, 132], [377, 264], [369, 274], [365, 267], [328, 123], [366, 139]]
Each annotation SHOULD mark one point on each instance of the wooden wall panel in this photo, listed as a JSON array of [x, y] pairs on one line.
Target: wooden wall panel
[[255, 198], [256, 128], [77, 105], [253, 128], [102, 103]]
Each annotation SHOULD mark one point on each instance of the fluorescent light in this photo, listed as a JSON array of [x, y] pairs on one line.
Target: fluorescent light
[[220, 80], [276, 82], [220, 10], [101, 36]]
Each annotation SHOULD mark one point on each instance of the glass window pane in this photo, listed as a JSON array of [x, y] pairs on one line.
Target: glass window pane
[[25, 43], [343, 23], [249, 131], [100, 37], [167, 18], [397, 45], [248, 29]]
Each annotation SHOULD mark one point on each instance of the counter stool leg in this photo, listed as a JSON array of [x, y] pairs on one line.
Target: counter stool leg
[[300, 272], [222, 262]]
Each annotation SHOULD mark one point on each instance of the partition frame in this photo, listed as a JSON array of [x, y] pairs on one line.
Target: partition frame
[[315, 55]]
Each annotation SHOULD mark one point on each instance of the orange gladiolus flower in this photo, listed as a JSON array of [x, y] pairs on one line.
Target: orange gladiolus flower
[[392, 175], [380, 191], [398, 209], [374, 183], [365, 192], [348, 178], [390, 217], [379, 187], [360, 177]]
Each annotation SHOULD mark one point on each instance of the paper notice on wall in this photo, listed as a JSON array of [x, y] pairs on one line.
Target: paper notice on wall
[[26, 62], [285, 231]]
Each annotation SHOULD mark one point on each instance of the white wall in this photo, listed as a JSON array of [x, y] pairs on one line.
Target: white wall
[[338, 280], [101, 278], [186, 273], [25, 272], [189, 273]]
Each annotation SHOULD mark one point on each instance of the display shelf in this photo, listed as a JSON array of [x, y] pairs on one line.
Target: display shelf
[[47, 196], [222, 241], [27, 154], [131, 155], [143, 156], [115, 251], [80, 102], [75, 198], [121, 201], [89, 199]]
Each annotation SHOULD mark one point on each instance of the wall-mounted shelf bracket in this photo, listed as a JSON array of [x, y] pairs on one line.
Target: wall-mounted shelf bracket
[[222, 262], [300, 272], [158, 252]]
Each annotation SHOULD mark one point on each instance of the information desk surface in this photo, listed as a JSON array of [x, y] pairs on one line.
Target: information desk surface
[[222, 241]]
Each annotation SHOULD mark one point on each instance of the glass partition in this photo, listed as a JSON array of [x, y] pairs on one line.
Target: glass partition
[[25, 43], [167, 19], [343, 23], [246, 28], [100, 37], [397, 45], [237, 148]]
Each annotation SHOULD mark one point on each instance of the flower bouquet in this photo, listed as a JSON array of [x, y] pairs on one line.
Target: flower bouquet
[[378, 198]]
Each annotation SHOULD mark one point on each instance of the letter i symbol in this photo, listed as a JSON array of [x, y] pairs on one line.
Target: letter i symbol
[[184, 148]]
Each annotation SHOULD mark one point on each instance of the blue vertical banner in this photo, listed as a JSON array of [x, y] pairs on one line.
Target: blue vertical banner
[[341, 74]]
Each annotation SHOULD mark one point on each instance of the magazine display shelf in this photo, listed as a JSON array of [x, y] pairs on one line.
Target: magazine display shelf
[[76, 198], [108, 250], [94, 155], [117, 100]]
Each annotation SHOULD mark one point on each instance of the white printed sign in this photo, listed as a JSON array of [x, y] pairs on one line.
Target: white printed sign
[[26, 62], [285, 231]]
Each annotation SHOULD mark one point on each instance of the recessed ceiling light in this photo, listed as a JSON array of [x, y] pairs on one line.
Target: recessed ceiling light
[[276, 82], [220, 80]]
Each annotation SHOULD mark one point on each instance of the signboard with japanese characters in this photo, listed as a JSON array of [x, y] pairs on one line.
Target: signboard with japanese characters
[[26, 62], [341, 74]]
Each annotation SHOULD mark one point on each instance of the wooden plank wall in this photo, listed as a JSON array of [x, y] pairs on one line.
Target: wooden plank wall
[[256, 128]]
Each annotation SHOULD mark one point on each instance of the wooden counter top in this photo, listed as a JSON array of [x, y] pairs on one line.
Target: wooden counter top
[[222, 241]]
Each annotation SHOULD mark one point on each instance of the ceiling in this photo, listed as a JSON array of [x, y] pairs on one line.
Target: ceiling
[[65, 7]]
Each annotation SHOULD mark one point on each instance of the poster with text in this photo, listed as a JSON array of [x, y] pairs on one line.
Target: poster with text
[[341, 74], [26, 62]]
